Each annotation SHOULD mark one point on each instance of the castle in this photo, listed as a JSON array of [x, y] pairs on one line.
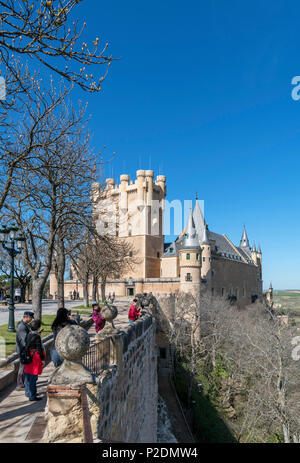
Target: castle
[[198, 261]]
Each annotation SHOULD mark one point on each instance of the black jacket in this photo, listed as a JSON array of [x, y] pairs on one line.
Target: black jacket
[[22, 331], [33, 341]]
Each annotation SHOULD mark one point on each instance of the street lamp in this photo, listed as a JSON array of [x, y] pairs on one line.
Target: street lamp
[[12, 243]]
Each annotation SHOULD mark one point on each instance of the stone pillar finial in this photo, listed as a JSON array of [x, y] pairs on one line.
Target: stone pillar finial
[[72, 343], [109, 313]]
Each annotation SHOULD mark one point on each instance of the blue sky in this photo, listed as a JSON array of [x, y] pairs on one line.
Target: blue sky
[[202, 94]]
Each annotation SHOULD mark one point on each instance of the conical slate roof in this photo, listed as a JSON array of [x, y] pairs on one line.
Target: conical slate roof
[[258, 249], [190, 239], [244, 243], [199, 221], [205, 239], [253, 247]]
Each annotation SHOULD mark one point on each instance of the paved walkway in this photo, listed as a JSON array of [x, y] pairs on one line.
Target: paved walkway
[[49, 308], [23, 421]]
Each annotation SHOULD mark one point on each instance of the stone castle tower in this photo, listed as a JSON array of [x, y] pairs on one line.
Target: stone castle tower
[[137, 208]]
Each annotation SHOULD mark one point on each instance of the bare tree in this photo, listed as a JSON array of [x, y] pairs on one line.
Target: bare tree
[[98, 258], [49, 185], [42, 29]]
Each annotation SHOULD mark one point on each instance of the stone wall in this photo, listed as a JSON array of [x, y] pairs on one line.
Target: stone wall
[[127, 392]]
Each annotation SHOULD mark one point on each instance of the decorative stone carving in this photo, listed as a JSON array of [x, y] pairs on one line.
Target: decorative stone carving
[[147, 302], [109, 313], [72, 343]]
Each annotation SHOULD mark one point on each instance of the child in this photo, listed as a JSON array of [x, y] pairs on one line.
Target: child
[[97, 317], [35, 368], [134, 313]]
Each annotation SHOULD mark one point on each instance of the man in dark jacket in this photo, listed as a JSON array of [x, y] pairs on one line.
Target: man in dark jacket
[[23, 329]]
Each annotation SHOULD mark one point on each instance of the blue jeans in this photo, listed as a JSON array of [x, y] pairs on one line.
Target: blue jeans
[[30, 385], [56, 359]]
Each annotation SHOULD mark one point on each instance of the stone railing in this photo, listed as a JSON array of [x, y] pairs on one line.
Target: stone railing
[[120, 399]]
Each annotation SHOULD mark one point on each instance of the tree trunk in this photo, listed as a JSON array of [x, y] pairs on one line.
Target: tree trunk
[[23, 292], [27, 292], [95, 292], [85, 286], [60, 266], [37, 296], [103, 285]]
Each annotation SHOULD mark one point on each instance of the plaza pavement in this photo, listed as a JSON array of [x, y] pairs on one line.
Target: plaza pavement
[[49, 307]]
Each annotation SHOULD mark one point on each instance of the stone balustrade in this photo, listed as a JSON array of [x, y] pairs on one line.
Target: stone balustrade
[[121, 400]]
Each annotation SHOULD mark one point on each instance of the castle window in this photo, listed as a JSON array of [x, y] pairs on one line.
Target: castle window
[[171, 249], [203, 259], [130, 253], [162, 352], [197, 256], [129, 232], [158, 255], [188, 277], [188, 256]]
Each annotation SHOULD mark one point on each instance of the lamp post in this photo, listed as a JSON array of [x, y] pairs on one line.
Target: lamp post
[[9, 238]]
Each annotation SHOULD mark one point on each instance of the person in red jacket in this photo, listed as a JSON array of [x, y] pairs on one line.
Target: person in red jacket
[[97, 317], [34, 369], [134, 312]]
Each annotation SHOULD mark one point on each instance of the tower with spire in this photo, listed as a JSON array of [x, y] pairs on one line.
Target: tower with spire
[[190, 260], [269, 295], [206, 259], [244, 243]]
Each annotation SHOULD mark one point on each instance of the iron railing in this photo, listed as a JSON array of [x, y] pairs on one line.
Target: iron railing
[[98, 356]]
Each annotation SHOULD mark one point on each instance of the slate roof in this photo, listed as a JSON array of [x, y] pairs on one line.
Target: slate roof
[[221, 246]]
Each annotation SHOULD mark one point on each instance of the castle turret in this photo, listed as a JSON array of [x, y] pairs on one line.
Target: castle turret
[[254, 253], [244, 243], [269, 295], [206, 258], [110, 183], [140, 182], [123, 206], [190, 261]]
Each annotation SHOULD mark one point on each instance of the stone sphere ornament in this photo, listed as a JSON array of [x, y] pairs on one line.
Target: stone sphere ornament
[[72, 343], [109, 313]]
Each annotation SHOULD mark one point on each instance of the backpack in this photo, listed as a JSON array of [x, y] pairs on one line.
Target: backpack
[[25, 356]]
